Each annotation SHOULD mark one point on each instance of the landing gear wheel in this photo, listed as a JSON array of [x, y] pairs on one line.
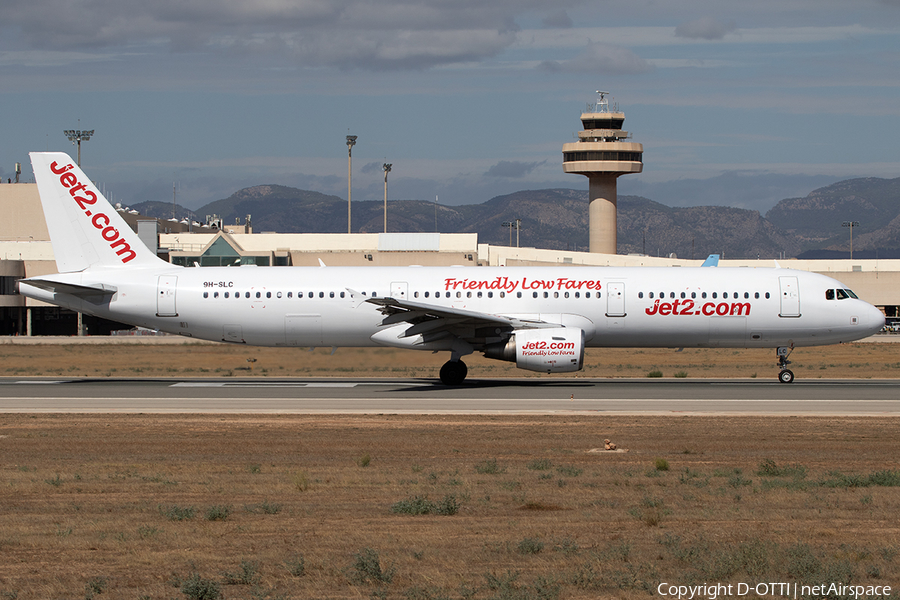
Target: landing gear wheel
[[786, 375], [454, 372]]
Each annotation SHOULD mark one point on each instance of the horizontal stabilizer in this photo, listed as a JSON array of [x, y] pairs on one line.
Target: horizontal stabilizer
[[711, 261], [81, 291]]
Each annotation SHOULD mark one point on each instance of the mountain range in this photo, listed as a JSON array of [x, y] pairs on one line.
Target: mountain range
[[808, 227]]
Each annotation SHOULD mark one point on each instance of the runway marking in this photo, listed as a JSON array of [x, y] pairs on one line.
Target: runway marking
[[261, 384], [277, 384]]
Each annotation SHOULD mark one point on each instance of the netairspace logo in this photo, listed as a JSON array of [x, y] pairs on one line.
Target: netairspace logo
[[792, 590]]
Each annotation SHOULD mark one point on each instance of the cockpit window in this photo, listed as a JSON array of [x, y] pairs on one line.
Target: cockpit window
[[842, 294], [829, 294], [851, 294]]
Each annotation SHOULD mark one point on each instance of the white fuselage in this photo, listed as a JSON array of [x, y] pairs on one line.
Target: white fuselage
[[624, 307]]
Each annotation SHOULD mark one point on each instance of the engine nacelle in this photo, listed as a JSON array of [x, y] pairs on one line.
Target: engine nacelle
[[557, 350]]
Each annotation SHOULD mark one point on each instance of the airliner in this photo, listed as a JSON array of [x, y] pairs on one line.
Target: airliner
[[540, 318]]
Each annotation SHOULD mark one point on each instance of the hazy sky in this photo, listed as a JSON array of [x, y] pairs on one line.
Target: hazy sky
[[467, 98]]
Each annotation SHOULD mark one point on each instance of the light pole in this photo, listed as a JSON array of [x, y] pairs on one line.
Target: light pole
[[351, 141], [851, 225], [76, 136], [387, 169], [513, 225]]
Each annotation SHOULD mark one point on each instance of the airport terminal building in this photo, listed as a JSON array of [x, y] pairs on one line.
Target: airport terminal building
[[26, 251]]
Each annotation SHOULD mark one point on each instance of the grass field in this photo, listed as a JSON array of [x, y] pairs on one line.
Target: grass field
[[440, 507], [422, 508], [858, 360]]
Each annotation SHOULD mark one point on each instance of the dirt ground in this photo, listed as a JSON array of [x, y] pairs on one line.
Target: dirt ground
[[857, 360], [181, 506]]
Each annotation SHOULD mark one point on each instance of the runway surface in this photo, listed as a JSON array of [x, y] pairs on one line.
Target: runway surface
[[418, 396]]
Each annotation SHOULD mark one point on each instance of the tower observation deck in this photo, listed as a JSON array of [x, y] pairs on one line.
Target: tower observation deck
[[602, 156]]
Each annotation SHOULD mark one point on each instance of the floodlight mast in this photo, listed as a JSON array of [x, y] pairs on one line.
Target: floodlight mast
[[387, 169], [351, 141], [76, 136], [851, 225], [513, 225]]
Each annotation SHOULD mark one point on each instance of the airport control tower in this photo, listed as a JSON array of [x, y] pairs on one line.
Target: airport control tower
[[602, 156]]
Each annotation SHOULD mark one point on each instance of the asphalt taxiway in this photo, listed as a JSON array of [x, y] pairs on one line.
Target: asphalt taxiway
[[420, 396]]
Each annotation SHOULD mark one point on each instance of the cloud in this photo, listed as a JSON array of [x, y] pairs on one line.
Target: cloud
[[706, 28], [603, 59], [349, 34], [559, 19], [512, 169]]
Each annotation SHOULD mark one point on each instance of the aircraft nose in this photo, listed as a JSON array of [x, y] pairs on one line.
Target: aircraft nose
[[873, 319]]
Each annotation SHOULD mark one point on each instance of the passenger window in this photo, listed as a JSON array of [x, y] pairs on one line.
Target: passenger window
[[479, 294], [703, 295], [756, 295], [518, 294], [651, 295], [426, 294], [321, 294], [566, 294], [490, 294], [331, 294], [415, 294], [725, 295], [503, 294], [588, 294], [683, 295], [459, 294], [278, 295], [767, 295], [268, 294], [289, 294], [246, 294], [746, 295], [469, 294], [714, 296], [215, 294], [693, 294], [829, 294], [578, 294], [534, 294], [342, 294], [546, 294], [310, 294], [671, 294], [206, 294]]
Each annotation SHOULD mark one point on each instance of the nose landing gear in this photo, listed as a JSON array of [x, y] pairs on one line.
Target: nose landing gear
[[785, 375]]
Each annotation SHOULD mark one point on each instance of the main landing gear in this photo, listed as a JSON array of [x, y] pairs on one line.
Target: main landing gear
[[453, 372], [785, 375]]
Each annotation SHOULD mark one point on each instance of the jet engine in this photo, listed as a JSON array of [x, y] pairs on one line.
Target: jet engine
[[556, 350]]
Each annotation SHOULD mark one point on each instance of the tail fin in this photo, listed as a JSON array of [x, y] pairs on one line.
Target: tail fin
[[86, 231]]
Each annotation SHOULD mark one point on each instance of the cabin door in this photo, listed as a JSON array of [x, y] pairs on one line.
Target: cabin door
[[165, 296], [790, 297]]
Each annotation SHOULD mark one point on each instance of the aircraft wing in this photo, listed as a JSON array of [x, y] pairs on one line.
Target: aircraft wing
[[428, 318], [81, 291]]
